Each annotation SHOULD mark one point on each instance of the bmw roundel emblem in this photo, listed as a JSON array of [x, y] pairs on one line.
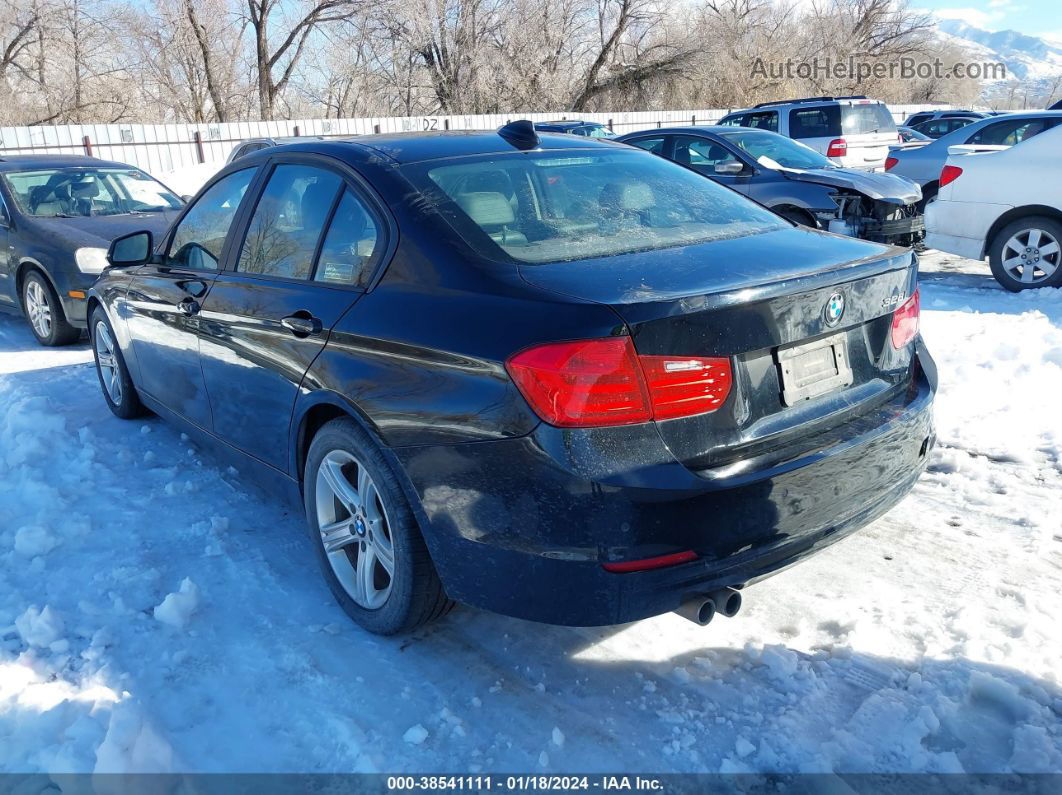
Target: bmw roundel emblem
[[834, 309]]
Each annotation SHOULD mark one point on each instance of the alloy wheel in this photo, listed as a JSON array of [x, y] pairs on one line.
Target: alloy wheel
[[355, 530], [1031, 256], [38, 309], [107, 361]]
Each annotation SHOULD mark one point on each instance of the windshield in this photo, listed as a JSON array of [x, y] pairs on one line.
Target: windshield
[[73, 192], [541, 207], [783, 151]]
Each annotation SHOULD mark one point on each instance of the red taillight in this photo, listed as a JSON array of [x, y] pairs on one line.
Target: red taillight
[[949, 174], [890, 162], [905, 321], [680, 386], [602, 382], [838, 148], [645, 564]]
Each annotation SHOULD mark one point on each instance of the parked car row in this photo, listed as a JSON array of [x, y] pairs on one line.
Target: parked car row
[[548, 375]]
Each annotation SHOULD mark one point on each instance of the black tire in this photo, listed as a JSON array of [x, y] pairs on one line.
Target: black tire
[[128, 405], [1008, 277], [416, 594], [36, 289]]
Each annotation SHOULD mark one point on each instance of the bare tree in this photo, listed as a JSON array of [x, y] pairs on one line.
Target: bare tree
[[278, 47]]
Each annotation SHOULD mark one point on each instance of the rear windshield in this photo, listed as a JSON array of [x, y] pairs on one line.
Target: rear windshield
[[540, 207], [827, 121], [857, 119]]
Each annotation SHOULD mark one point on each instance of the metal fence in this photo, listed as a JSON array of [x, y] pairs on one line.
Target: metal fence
[[162, 148]]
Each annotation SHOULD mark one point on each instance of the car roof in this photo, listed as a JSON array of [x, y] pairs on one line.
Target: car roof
[[29, 162], [568, 123], [809, 102], [413, 147]]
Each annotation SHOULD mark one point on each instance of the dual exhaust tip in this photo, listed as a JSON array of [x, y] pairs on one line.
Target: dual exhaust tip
[[703, 608]]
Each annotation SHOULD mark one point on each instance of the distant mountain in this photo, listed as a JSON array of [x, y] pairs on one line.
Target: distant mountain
[[1030, 60]]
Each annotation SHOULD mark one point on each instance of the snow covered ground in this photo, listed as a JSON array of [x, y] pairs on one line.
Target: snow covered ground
[[156, 614]]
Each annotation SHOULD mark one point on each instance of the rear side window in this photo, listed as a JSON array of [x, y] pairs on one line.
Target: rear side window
[[200, 235], [654, 145], [869, 118], [352, 245], [541, 207], [764, 120], [821, 122], [1008, 133], [737, 120], [288, 221]]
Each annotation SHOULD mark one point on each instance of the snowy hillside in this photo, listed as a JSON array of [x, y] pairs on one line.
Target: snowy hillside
[[157, 614], [1030, 60]]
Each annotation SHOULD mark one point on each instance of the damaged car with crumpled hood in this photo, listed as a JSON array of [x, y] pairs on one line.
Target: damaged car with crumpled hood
[[795, 181]]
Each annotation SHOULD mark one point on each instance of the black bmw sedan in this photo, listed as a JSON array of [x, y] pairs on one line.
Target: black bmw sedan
[[557, 378], [58, 214]]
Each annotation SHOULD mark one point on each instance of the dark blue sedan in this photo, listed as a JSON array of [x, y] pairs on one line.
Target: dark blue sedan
[[58, 214], [795, 181]]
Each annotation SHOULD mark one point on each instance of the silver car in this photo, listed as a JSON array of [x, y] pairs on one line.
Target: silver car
[[923, 164]]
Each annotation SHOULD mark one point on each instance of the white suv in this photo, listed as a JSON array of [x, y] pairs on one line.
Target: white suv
[[854, 132]]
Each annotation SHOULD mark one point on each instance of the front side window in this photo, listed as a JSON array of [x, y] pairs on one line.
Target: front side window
[[547, 206], [701, 154], [77, 192], [199, 238], [737, 120], [772, 150], [288, 221]]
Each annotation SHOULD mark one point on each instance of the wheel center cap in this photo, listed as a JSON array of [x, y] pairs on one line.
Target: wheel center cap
[[359, 526]]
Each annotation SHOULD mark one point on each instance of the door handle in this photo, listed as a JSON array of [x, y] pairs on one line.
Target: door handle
[[188, 306], [302, 325]]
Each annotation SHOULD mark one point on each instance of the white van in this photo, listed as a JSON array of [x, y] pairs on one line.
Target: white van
[[854, 132]]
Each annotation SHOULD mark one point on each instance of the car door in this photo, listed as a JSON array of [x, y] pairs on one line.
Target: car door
[[165, 297], [704, 155], [307, 244]]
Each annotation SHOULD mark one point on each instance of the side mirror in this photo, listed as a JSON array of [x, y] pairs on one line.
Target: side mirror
[[729, 167], [130, 250], [187, 197]]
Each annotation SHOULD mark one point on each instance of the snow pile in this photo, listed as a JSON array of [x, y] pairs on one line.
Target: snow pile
[[928, 641], [178, 607]]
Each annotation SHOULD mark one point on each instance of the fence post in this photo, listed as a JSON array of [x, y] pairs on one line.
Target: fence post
[[376, 129], [659, 124], [199, 153], [693, 120], [87, 143], [446, 124], [610, 126], [297, 131]]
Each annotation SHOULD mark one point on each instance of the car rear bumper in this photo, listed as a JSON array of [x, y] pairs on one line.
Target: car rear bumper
[[522, 526]]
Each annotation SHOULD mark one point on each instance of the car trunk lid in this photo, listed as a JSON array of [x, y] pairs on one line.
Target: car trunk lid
[[798, 364]]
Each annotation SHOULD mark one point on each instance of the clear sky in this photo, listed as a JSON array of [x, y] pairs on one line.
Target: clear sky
[[1034, 17]]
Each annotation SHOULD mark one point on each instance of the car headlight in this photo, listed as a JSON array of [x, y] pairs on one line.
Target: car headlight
[[91, 260]]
